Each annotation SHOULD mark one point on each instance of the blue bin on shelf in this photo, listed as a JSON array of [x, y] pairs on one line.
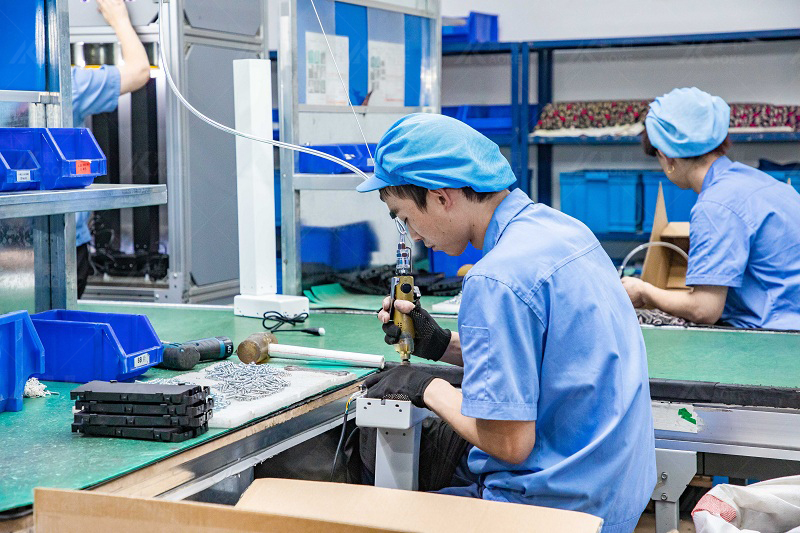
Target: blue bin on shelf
[[316, 245], [608, 201], [68, 158], [786, 175], [449, 265], [19, 170], [354, 244], [488, 119], [21, 356], [679, 202], [355, 154], [476, 28], [81, 346]]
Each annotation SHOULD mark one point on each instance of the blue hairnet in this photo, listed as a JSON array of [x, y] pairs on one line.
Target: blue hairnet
[[687, 122], [435, 152]]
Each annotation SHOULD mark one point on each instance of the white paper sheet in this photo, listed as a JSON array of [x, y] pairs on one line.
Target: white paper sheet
[[387, 73], [323, 86]]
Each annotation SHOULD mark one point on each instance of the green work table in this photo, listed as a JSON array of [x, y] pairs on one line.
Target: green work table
[[38, 448]]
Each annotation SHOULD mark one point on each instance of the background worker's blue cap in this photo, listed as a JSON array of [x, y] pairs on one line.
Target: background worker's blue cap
[[687, 122], [436, 152]]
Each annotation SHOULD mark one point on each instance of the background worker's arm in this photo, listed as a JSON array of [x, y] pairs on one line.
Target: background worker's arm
[[702, 304], [508, 440], [135, 72]]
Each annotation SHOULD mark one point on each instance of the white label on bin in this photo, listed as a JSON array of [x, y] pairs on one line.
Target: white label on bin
[[23, 175], [141, 360]]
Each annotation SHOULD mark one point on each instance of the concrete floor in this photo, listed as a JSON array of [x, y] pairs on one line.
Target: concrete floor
[[647, 524]]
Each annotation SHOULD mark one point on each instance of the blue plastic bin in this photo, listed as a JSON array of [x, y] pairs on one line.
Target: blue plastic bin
[[488, 119], [316, 245], [476, 28], [69, 158], [354, 244], [21, 356], [82, 346], [19, 170], [679, 202], [786, 175], [605, 200], [449, 265], [355, 154]]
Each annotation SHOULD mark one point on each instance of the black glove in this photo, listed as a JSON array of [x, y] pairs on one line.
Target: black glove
[[399, 383], [430, 340]]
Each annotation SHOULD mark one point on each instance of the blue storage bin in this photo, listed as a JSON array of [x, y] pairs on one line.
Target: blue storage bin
[[19, 170], [476, 28], [679, 202], [69, 158], [354, 244], [316, 245], [786, 175], [605, 200], [82, 346], [21, 356], [488, 119], [449, 265], [355, 154]]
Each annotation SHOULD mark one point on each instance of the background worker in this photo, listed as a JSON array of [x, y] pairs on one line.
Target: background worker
[[555, 400], [744, 241], [97, 90]]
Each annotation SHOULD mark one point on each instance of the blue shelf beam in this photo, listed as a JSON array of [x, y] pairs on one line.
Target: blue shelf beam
[[667, 40]]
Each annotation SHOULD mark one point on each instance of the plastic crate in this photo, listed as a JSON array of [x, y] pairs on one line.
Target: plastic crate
[[476, 28], [19, 170], [679, 202], [316, 245], [69, 158], [488, 119], [449, 265], [605, 200], [355, 154], [21, 356], [353, 246], [786, 175], [82, 346]]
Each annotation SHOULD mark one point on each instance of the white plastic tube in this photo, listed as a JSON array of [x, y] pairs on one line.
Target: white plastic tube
[[284, 351]]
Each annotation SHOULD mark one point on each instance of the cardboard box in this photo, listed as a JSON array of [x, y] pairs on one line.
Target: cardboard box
[[285, 505], [663, 267]]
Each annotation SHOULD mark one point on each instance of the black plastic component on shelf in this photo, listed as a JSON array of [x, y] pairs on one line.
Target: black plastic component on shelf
[[104, 391], [157, 434], [95, 419], [112, 408]]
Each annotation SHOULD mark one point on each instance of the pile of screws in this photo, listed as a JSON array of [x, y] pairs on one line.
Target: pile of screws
[[247, 382]]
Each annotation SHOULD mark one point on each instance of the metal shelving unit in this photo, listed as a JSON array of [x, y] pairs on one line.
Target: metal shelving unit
[[520, 52], [96, 197]]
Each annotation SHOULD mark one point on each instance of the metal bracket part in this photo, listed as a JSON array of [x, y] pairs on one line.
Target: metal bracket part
[[675, 469]]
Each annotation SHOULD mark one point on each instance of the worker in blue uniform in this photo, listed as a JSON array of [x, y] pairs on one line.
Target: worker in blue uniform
[[554, 407], [97, 90], [744, 232]]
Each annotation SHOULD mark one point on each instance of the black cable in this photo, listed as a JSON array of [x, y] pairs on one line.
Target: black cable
[[341, 440], [281, 320]]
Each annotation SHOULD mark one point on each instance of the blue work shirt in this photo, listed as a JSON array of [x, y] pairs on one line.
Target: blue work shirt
[[94, 90], [549, 334], [744, 234]]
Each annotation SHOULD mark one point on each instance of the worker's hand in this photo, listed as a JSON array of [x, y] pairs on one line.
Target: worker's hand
[[114, 11], [636, 289], [430, 339], [399, 383]]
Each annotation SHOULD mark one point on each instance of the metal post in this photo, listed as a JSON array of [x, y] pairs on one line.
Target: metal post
[[290, 198], [675, 469], [525, 63], [544, 152], [515, 115]]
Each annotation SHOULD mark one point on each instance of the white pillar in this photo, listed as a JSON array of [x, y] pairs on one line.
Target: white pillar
[[255, 169]]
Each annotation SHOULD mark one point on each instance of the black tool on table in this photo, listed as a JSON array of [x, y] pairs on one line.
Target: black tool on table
[[185, 355]]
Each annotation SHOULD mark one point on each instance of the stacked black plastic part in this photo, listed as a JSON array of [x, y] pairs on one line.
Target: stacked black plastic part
[[166, 413]]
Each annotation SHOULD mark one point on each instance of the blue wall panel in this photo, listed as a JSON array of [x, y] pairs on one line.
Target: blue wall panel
[[414, 33], [22, 45], [351, 21]]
